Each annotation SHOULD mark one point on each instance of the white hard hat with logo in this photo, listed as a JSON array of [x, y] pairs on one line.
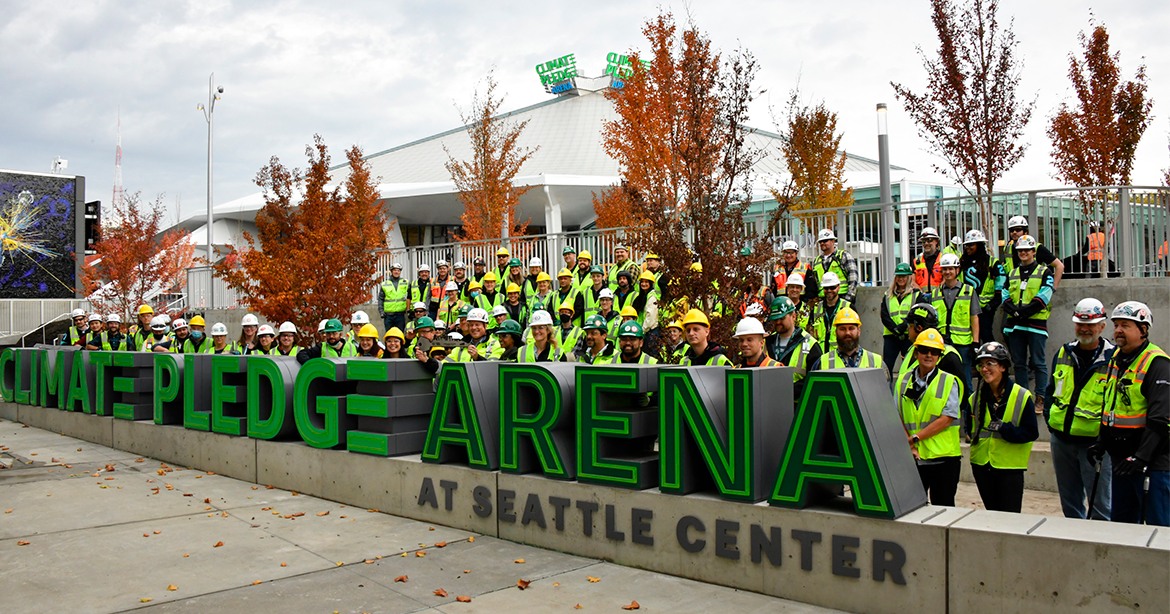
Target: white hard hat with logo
[[826, 235], [359, 317], [789, 246], [948, 260], [219, 328], [541, 318], [1088, 311], [288, 327], [250, 320], [830, 280], [749, 326]]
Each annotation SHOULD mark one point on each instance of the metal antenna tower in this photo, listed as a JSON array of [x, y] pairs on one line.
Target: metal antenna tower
[[118, 192]]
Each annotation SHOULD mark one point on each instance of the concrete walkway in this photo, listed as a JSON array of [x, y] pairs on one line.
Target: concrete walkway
[[86, 528]]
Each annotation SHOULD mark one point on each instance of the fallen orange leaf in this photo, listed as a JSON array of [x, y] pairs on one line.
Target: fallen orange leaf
[[518, 561], [217, 544], [284, 564], [22, 543], [146, 534], [207, 500], [577, 607], [440, 592], [471, 539], [265, 509], [298, 514], [431, 529], [325, 513], [157, 532], [210, 473], [186, 555], [463, 599], [172, 587], [255, 487], [633, 606], [420, 553], [523, 584], [556, 583], [369, 561], [339, 563], [7, 511], [140, 460], [441, 545], [400, 579], [466, 571], [144, 599], [269, 487], [256, 582], [592, 579]]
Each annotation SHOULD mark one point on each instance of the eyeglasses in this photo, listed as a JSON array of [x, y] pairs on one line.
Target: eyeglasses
[[985, 365]]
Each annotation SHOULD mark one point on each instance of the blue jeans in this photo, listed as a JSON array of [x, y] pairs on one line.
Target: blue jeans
[[394, 319], [1074, 480], [892, 347], [967, 355], [1027, 351], [1127, 498]]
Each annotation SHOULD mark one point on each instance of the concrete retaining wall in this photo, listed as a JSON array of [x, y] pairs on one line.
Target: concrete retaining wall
[[956, 560]]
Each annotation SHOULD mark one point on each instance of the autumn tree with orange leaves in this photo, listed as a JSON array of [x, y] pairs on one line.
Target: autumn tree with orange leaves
[[134, 261], [311, 256], [485, 181], [815, 162], [680, 140], [1095, 141]]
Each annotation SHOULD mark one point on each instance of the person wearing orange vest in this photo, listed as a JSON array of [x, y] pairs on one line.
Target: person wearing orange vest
[[927, 274], [790, 264], [1094, 247], [1135, 418]]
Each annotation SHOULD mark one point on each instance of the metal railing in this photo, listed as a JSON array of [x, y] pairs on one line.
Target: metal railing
[[22, 315], [1134, 219]]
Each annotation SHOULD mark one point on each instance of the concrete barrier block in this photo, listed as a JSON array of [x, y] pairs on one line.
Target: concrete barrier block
[[1002, 562], [227, 455], [1039, 476], [8, 411], [88, 427], [463, 484], [168, 443], [291, 465], [361, 480]]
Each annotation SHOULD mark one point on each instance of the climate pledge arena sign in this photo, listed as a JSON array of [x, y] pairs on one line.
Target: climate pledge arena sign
[[702, 472]]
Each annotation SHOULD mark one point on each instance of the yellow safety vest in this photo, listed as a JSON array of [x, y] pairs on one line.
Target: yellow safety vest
[[1124, 402], [1022, 291], [1072, 410], [917, 416], [899, 308], [832, 360], [955, 324], [395, 299], [989, 447]]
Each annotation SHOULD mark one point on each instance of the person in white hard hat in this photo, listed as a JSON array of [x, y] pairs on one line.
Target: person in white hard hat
[[93, 335], [110, 339], [442, 276], [265, 341], [451, 306], [421, 291], [498, 315], [824, 312], [1076, 394], [321, 332], [394, 298], [180, 334], [418, 310], [979, 269], [1026, 300], [219, 342], [1018, 227], [480, 344], [544, 346], [606, 311], [788, 266], [286, 340], [837, 261], [96, 325], [529, 286], [749, 333], [249, 325], [958, 310], [459, 276], [158, 341], [927, 273], [356, 322], [77, 330]]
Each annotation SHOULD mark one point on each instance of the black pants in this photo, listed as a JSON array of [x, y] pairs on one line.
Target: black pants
[[1002, 490], [941, 480]]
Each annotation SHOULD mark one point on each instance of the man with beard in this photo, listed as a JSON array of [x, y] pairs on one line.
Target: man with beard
[[848, 353]]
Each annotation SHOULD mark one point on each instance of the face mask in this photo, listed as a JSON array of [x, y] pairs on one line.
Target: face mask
[[196, 335], [475, 294], [565, 319]]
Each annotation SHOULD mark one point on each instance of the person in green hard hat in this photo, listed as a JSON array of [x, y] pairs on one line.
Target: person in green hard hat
[[591, 295], [515, 276], [424, 328], [335, 346], [598, 350], [510, 338], [630, 340], [789, 344], [900, 296]]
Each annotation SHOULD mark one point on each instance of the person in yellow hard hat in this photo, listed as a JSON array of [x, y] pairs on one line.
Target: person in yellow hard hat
[[929, 401], [848, 353], [653, 265], [645, 303], [701, 352], [674, 346], [197, 341], [542, 298], [628, 313], [517, 310], [581, 275], [141, 331], [503, 257], [568, 334], [367, 345], [566, 291], [395, 344]]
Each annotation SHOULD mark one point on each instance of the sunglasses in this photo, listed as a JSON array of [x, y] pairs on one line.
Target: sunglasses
[[930, 351]]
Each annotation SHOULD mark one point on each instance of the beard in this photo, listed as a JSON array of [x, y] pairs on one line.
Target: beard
[[1086, 339], [846, 346]]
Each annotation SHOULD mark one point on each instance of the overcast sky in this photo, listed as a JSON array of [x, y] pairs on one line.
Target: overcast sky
[[383, 73]]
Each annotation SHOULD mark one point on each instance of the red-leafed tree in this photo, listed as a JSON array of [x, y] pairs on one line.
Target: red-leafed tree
[[485, 181], [311, 256], [135, 261], [816, 164]]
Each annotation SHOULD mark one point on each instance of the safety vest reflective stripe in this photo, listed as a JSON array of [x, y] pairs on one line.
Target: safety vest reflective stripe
[[991, 448], [822, 325], [766, 362], [1096, 246], [926, 281], [396, 299], [1084, 419], [449, 312], [929, 408], [799, 357], [899, 308], [987, 291], [1022, 291], [832, 360], [955, 323], [819, 268], [780, 275], [529, 353], [1126, 404], [628, 265], [348, 350], [569, 339]]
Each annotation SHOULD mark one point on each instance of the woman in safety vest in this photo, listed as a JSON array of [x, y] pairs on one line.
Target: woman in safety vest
[[929, 401], [1003, 427], [898, 300]]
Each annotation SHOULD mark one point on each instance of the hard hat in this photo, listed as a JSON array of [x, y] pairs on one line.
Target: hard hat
[[795, 279], [923, 314], [367, 330], [145, 309], [846, 315], [1088, 311], [626, 273], [673, 324], [460, 265], [605, 293], [1017, 221], [826, 235], [995, 351], [503, 251], [509, 327], [755, 309], [113, 317], [789, 246], [218, 329], [956, 240], [464, 310], [948, 260], [473, 285], [903, 269], [630, 329], [359, 317], [490, 276], [197, 321], [418, 306], [499, 310], [512, 287], [455, 336], [652, 256], [1026, 242], [543, 277], [478, 261], [267, 330], [540, 318], [95, 317], [515, 262], [780, 307], [440, 263], [424, 267], [440, 325], [396, 265], [534, 261], [585, 255], [321, 326], [178, 324], [451, 287], [928, 233], [749, 326], [395, 332], [1133, 310], [166, 317], [564, 273], [596, 270], [596, 322], [437, 349], [974, 236], [333, 325], [697, 267], [647, 275], [287, 327], [830, 280], [477, 315], [249, 320], [568, 250], [77, 313], [567, 304], [695, 316], [628, 312], [620, 246], [424, 322], [931, 339]]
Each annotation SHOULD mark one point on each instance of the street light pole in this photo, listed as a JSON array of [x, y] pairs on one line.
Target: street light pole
[[213, 94], [886, 196]]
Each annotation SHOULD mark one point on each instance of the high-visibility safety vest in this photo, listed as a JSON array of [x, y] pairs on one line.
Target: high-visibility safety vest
[[121, 345], [821, 324], [190, 347], [528, 288], [766, 362], [987, 292], [716, 360], [899, 308], [621, 302], [348, 350], [820, 269], [449, 312], [616, 359], [917, 416], [528, 353], [1096, 246], [139, 338], [927, 280], [780, 275], [989, 447], [487, 349], [1125, 405], [592, 303], [1009, 256], [484, 302], [396, 293], [1022, 291], [569, 336], [542, 303], [75, 335], [582, 281], [628, 265], [955, 323], [795, 354], [421, 293], [1075, 406], [832, 360], [150, 342]]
